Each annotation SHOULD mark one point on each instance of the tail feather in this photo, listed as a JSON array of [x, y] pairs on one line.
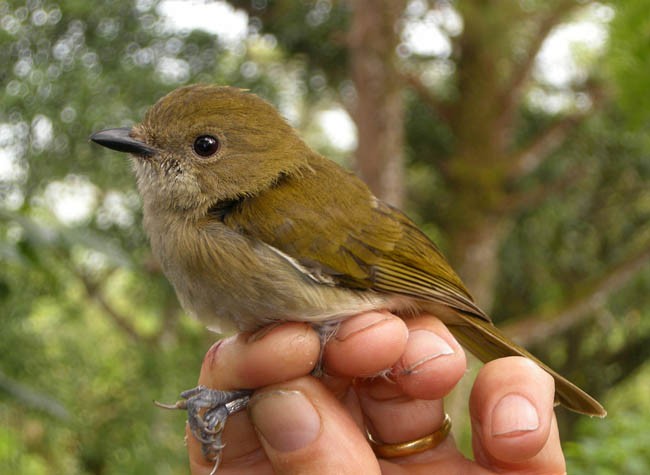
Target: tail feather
[[487, 343]]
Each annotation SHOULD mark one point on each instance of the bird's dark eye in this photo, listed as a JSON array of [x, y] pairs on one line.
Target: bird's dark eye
[[206, 145]]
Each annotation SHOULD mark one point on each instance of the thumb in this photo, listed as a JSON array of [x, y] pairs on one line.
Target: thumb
[[513, 424], [303, 428]]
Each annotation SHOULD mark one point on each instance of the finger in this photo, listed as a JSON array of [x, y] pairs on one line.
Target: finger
[[429, 368], [433, 361], [365, 345], [303, 428], [513, 423], [198, 464], [284, 352], [242, 452]]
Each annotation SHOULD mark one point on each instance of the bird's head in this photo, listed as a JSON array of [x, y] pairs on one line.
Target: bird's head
[[202, 144]]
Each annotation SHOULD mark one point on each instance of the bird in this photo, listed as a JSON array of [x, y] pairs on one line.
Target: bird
[[252, 228]]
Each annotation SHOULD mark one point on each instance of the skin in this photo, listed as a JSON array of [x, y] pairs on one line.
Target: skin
[[265, 439]]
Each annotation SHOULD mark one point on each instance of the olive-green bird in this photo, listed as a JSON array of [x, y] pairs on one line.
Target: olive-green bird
[[252, 227]]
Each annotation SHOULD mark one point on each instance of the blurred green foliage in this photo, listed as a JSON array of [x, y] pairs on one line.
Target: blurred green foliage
[[620, 443], [630, 37], [91, 332]]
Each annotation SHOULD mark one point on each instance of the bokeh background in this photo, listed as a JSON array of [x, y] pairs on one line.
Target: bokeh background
[[514, 132]]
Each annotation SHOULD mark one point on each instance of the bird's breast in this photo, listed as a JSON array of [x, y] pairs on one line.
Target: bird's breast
[[235, 282]]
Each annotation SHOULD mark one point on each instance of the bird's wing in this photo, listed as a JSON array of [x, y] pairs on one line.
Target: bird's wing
[[330, 223], [359, 242]]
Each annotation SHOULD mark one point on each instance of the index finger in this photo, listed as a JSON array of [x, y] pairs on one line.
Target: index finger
[[513, 423], [284, 352]]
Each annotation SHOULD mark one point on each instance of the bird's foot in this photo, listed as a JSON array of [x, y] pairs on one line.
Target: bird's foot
[[207, 412]]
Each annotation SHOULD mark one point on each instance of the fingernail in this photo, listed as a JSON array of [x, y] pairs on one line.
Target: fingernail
[[423, 346], [286, 419], [358, 324], [513, 415]]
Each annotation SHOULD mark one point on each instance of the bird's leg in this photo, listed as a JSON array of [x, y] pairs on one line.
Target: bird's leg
[[326, 332], [207, 412]]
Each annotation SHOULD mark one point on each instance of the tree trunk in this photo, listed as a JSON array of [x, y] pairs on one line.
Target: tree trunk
[[379, 108], [476, 173], [475, 254]]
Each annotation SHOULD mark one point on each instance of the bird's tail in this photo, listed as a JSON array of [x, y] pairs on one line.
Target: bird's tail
[[487, 343]]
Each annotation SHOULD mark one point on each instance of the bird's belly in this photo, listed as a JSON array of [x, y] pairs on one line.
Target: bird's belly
[[231, 282]]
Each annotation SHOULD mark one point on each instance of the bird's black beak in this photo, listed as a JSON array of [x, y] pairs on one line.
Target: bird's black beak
[[121, 140]]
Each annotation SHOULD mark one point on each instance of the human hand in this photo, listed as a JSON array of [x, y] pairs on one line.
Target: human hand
[[300, 424]]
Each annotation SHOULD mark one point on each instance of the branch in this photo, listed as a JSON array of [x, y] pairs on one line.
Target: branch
[[33, 399], [120, 320], [537, 328], [531, 156], [513, 90], [414, 82], [539, 194]]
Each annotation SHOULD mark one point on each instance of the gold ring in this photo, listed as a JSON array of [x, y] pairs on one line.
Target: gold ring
[[402, 449]]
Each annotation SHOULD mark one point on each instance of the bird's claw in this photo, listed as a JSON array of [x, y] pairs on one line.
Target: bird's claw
[[207, 412]]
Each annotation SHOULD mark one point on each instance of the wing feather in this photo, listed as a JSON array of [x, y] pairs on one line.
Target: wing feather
[[331, 227], [327, 218]]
